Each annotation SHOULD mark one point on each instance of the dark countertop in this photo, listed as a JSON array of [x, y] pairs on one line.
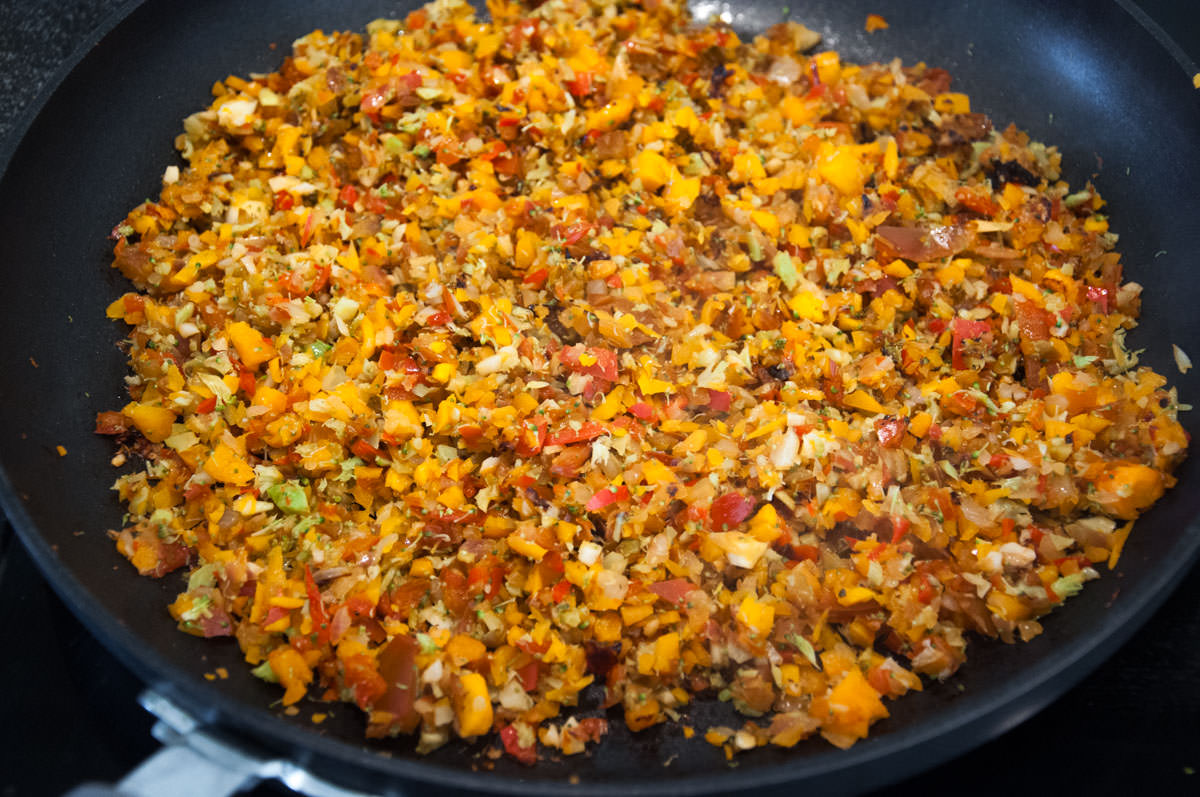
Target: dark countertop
[[69, 713]]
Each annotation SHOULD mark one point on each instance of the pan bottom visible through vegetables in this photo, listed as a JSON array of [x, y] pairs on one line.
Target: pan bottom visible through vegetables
[[475, 364]]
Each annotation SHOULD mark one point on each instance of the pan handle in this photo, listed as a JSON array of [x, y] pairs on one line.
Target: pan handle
[[198, 762]]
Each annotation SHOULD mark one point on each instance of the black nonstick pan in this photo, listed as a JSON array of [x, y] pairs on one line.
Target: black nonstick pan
[[1086, 76]]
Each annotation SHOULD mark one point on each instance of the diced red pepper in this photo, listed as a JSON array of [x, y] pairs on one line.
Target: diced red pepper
[[607, 496], [284, 200], [588, 430], [1033, 322], [507, 164], [573, 233], [531, 437], [246, 382], [879, 680], [560, 591], [197, 492], [1100, 295], [388, 360], [925, 592], [398, 668], [536, 278], [274, 615], [360, 674], [364, 450], [900, 527], [890, 431], [316, 608], [729, 510], [554, 562], [810, 552], [410, 80], [528, 675], [455, 592], [375, 204], [309, 226], [208, 405], [134, 303], [604, 367], [581, 85], [372, 101], [642, 410], [512, 745], [438, 318], [416, 20], [477, 575], [495, 150], [673, 590], [718, 400], [360, 606], [962, 402], [347, 196], [976, 200], [964, 329], [216, 623]]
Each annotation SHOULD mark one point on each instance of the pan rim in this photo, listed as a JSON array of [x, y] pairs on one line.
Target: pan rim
[[1046, 681]]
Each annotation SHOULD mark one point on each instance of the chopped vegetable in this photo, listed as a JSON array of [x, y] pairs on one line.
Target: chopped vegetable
[[479, 363]]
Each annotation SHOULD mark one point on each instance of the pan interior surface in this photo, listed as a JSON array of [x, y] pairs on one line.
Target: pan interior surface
[[1084, 76]]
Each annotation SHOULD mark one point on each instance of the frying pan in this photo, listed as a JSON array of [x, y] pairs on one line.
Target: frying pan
[[1086, 76]]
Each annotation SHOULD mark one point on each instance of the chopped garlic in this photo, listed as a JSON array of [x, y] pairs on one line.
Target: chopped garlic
[[1182, 361]]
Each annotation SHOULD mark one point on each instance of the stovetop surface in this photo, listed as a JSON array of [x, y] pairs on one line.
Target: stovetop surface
[[69, 714]]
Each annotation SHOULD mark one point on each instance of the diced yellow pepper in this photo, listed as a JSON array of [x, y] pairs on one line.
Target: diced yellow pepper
[[682, 191], [853, 704], [252, 347], [1127, 488], [652, 169], [829, 66], [611, 115], [650, 386], [891, 159], [862, 400], [151, 420], [808, 306], [952, 102], [274, 400], [634, 614], [464, 648], [747, 166], [768, 222], [765, 524], [844, 170], [292, 673], [1027, 289], [472, 706], [654, 472], [527, 548], [758, 617], [666, 653], [452, 497], [225, 465]]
